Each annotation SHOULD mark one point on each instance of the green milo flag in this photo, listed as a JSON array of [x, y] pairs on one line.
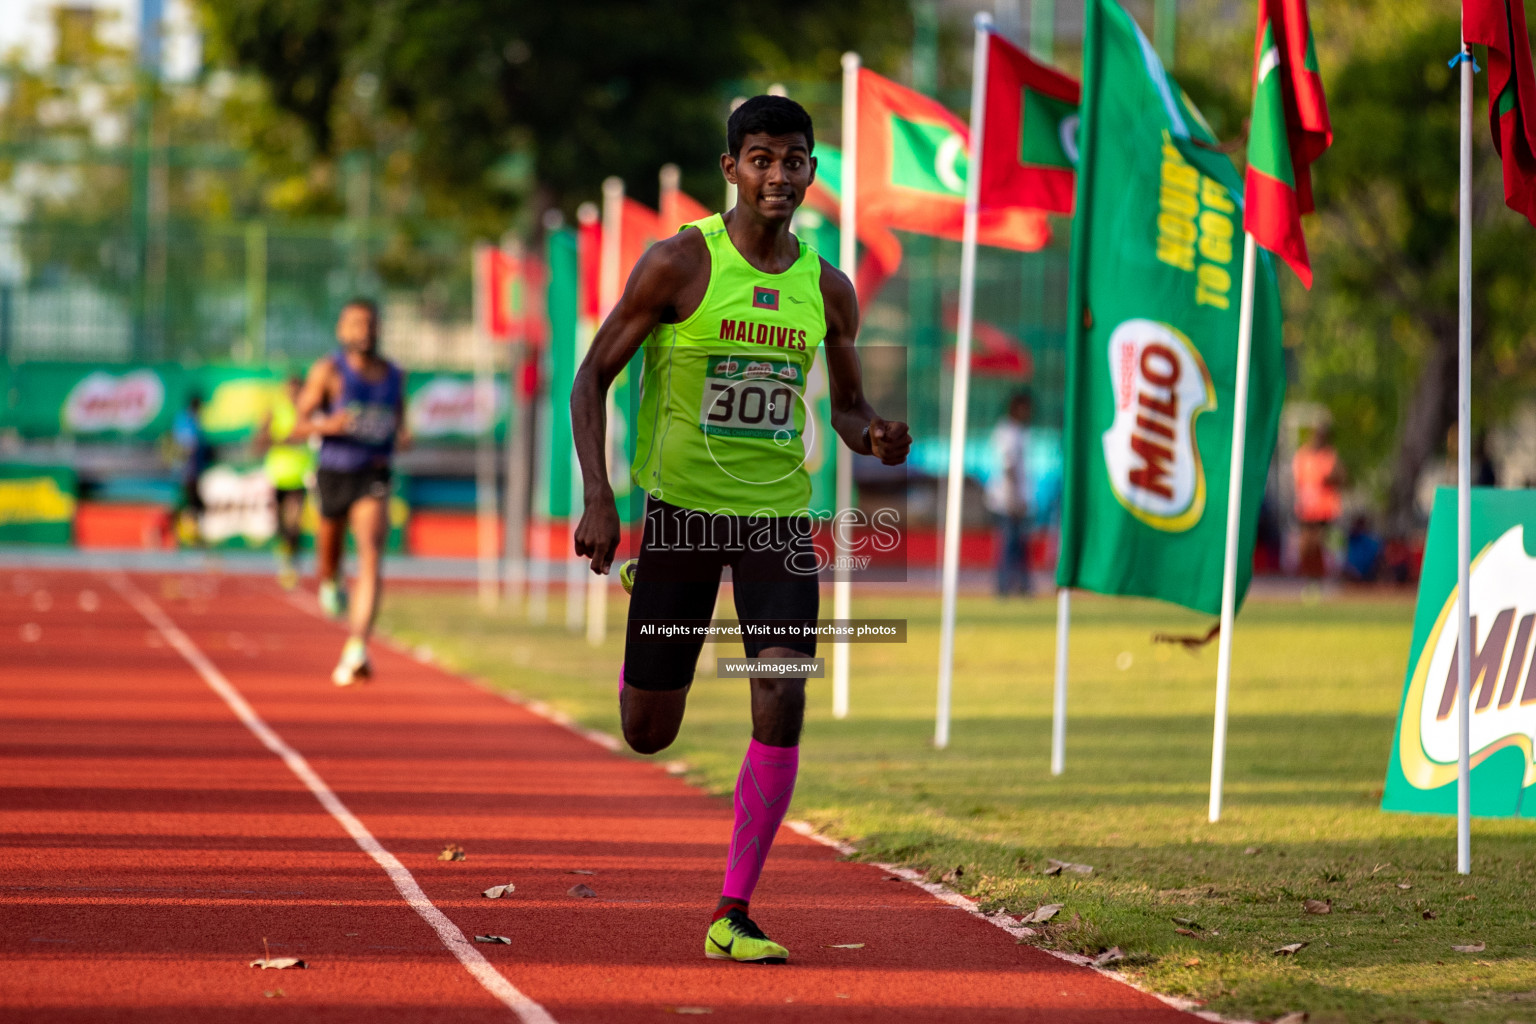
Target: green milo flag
[[1152, 344], [1421, 771]]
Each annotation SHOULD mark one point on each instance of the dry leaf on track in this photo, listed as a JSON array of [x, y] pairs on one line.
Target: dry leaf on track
[[496, 892], [1318, 906], [846, 945], [497, 940], [281, 963], [1056, 867], [580, 891], [453, 851], [1042, 914], [581, 871], [1476, 947], [1292, 949], [1113, 954]]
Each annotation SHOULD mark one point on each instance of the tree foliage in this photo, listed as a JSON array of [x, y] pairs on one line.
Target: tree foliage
[[505, 97]]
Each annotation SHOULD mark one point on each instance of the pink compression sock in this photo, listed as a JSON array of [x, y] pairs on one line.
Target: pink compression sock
[[763, 789]]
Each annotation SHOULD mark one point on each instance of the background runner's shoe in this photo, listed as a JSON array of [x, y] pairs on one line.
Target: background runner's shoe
[[333, 600], [354, 666], [735, 937]]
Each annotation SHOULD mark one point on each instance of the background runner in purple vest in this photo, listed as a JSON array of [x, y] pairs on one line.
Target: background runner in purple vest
[[355, 400]]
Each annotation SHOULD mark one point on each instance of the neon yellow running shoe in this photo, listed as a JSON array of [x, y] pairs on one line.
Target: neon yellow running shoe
[[735, 937], [627, 575]]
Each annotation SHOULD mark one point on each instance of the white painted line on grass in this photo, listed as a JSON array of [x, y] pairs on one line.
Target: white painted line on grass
[[528, 1011], [1001, 920]]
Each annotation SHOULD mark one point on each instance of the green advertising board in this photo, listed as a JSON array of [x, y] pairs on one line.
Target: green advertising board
[[95, 401], [37, 504], [1421, 774]]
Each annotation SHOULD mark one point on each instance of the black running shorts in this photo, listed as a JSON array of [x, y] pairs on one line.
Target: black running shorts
[[340, 490], [682, 553]]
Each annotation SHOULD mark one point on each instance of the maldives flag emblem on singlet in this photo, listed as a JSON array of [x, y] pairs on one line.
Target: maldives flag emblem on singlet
[[765, 298]]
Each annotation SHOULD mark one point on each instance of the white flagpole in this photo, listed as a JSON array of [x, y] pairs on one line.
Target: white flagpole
[[959, 406], [519, 470], [847, 258], [485, 441], [608, 286], [1234, 523], [576, 569], [1059, 701], [1465, 639]]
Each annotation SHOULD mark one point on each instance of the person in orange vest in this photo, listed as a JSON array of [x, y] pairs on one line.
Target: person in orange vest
[[1319, 478]]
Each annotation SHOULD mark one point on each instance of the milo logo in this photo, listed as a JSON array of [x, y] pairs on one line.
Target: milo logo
[[446, 407], [1161, 385], [1503, 701], [102, 402]]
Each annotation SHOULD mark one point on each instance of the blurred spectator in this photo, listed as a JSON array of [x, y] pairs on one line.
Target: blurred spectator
[[1318, 478], [1362, 551], [1484, 473], [197, 456], [1010, 496]]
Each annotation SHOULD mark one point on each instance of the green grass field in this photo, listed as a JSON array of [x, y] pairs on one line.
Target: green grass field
[[1314, 701]]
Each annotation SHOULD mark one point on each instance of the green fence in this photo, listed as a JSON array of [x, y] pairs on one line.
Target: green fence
[[249, 293]]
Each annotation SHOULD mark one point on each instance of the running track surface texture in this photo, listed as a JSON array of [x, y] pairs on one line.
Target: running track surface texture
[[180, 781]]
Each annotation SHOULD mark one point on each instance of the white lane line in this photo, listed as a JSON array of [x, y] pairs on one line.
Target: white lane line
[[528, 1011]]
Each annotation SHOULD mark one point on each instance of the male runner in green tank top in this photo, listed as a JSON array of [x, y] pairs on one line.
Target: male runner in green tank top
[[731, 311]]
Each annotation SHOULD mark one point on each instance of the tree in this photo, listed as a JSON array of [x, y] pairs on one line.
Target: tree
[[504, 96], [1377, 335]]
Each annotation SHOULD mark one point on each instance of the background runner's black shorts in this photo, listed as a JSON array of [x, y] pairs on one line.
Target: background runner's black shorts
[[340, 490], [682, 554]]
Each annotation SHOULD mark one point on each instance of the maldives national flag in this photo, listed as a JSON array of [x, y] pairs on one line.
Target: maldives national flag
[[882, 250], [1289, 130], [1029, 151], [913, 157], [1500, 26], [510, 308]]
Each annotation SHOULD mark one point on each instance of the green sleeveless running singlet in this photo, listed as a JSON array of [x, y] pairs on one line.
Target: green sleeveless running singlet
[[723, 421]]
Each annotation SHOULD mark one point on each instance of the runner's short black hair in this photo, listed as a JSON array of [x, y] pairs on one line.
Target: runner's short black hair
[[767, 115], [366, 303]]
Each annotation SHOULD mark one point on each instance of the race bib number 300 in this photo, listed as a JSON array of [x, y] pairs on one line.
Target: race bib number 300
[[750, 396]]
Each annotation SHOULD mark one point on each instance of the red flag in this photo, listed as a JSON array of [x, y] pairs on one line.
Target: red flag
[[510, 305], [639, 227], [1288, 131], [1500, 26], [679, 208], [912, 167], [1029, 151]]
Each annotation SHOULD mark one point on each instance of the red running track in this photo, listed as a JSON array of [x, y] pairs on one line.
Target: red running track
[[151, 841]]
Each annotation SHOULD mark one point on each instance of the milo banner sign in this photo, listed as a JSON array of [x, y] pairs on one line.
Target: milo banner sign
[[1157, 266], [37, 504], [84, 400], [1421, 774]]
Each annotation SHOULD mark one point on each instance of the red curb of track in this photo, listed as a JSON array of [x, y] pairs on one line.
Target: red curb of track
[[152, 841]]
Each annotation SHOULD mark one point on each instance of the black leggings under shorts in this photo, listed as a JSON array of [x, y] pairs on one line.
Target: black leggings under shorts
[[682, 554]]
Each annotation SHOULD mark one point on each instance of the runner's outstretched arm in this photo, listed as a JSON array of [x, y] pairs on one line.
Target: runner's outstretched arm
[[650, 297], [318, 388], [851, 411]]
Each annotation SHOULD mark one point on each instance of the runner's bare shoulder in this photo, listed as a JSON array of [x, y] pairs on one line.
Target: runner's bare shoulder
[[673, 275]]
